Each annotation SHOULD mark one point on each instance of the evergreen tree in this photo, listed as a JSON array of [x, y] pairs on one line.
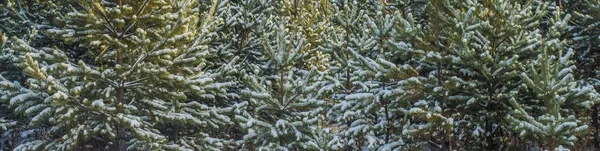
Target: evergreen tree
[[554, 96], [343, 78], [370, 91], [583, 32], [469, 52], [284, 110], [553, 85], [298, 75], [144, 88], [22, 19]]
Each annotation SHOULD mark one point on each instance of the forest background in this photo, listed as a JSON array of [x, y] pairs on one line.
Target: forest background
[[299, 75]]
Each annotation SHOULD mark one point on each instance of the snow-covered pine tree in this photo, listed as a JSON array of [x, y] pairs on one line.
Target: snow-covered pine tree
[[370, 92], [488, 38], [342, 78], [584, 33], [549, 97], [284, 108], [144, 86], [393, 81], [310, 20], [7, 118], [22, 19], [431, 122], [469, 51], [241, 34], [238, 37], [553, 85]]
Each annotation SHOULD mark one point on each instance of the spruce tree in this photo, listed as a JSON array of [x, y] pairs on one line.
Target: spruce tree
[[23, 19], [552, 85], [370, 92], [546, 111], [469, 52], [143, 87], [583, 32], [343, 77], [284, 110]]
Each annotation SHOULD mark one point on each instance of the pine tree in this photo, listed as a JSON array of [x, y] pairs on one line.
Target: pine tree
[[284, 110], [22, 19], [553, 85], [343, 78], [583, 30], [546, 112], [7, 121], [144, 86], [370, 91], [468, 54], [432, 118], [298, 75]]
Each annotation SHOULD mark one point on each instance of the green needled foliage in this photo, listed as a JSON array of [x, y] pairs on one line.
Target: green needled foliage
[[284, 111], [299, 75], [144, 85], [551, 113], [583, 33]]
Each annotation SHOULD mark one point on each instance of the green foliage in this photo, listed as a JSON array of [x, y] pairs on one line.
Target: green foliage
[[298, 75], [145, 83], [553, 86], [582, 32], [471, 60], [285, 111], [550, 84]]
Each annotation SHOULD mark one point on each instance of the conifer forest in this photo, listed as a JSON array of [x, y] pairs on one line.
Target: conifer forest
[[299, 75]]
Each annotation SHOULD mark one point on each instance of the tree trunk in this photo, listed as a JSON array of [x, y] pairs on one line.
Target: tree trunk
[[488, 133], [121, 144], [488, 124]]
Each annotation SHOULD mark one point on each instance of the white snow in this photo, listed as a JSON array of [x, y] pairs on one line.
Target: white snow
[[98, 103]]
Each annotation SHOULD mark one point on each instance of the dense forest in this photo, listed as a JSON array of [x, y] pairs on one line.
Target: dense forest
[[299, 75]]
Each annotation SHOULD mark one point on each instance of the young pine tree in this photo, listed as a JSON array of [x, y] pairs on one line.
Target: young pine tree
[[370, 92], [553, 85], [583, 30], [142, 87], [343, 78], [546, 111], [284, 108], [469, 52], [23, 19]]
